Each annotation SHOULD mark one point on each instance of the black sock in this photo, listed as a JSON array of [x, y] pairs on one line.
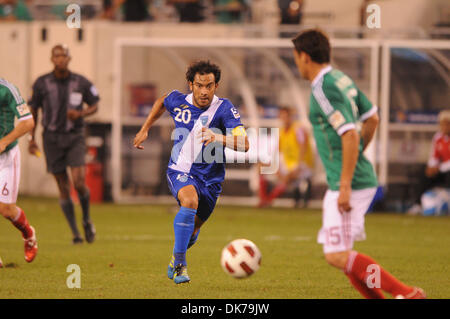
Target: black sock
[[69, 212], [84, 201]]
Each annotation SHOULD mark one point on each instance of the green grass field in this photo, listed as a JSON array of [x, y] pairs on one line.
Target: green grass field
[[134, 243]]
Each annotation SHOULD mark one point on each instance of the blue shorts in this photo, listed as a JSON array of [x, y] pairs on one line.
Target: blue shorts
[[207, 195]]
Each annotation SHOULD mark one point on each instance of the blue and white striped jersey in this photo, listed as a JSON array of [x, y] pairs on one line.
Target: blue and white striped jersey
[[189, 155]]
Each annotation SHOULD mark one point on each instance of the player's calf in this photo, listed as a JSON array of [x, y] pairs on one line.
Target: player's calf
[[18, 218], [8, 210], [183, 226], [193, 238], [337, 259], [368, 271]]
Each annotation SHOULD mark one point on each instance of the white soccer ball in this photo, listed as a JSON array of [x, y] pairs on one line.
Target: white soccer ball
[[241, 258]]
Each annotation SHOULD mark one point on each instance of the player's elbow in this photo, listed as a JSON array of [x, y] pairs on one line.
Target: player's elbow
[[350, 136], [94, 109], [28, 124], [373, 121]]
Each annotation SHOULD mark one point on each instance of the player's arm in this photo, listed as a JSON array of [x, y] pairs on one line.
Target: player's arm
[[369, 118], [76, 114], [91, 109], [237, 140], [35, 103], [33, 148], [24, 126], [350, 153], [14, 101], [368, 129], [156, 112], [22, 112]]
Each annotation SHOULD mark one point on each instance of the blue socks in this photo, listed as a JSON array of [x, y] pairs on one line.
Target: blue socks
[[193, 239], [183, 226]]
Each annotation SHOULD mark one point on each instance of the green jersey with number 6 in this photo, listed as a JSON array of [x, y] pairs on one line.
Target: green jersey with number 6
[[12, 105], [336, 106]]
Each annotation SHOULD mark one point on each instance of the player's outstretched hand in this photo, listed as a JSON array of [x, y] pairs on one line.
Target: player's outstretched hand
[[140, 137]]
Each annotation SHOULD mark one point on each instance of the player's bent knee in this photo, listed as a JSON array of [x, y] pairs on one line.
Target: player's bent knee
[[189, 203]]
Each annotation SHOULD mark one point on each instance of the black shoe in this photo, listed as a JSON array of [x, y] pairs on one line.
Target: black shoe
[[77, 240], [89, 232]]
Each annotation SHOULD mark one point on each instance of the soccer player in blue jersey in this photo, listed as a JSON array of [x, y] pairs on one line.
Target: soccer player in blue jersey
[[204, 125]]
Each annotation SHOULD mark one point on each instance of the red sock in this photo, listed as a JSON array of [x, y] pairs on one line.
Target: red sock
[[277, 191], [358, 266], [368, 293], [21, 223]]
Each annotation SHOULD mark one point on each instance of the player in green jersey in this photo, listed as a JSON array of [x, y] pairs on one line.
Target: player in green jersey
[[12, 105], [344, 122]]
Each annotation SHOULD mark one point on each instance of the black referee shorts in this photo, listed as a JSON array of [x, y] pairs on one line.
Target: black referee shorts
[[63, 149]]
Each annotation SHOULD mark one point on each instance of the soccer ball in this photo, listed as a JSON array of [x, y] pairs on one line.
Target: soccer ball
[[240, 258]]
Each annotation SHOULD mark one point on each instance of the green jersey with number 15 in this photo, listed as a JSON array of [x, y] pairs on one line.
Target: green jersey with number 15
[[12, 105], [336, 106]]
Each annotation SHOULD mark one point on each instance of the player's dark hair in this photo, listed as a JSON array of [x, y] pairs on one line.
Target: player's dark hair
[[315, 43], [202, 68]]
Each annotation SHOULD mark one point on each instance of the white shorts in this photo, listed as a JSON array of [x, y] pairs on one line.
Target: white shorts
[[339, 231], [9, 175]]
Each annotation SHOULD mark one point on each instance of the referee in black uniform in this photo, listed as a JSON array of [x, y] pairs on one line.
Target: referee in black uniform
[[61, 95]]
